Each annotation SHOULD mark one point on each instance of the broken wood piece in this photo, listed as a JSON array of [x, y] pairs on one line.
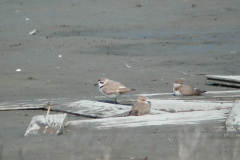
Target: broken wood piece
[[229, 80], [94, 109], [233, 120], [39, 125]]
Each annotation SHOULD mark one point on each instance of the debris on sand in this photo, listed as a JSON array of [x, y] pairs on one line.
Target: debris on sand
[[32, 32], [127, 65]]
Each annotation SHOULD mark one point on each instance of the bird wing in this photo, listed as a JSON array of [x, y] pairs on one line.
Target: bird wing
[[198, 91], [114, 87], [190, 91], [111, 87], [187, 90], [125, 90]]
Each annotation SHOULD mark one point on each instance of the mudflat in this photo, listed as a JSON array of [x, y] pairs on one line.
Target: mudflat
[[146, 45]]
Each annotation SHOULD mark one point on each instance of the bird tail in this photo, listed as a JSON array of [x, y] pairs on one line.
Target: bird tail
[[133, 113], [200, 91], [125, 90]]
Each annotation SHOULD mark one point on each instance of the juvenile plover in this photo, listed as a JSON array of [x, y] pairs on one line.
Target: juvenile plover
[[141, 107], [181, 89]]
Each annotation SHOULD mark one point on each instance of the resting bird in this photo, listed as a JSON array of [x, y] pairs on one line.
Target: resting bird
[[181, 89], [141, 107]]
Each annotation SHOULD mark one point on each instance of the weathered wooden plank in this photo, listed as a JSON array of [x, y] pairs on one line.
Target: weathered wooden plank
[[152, 120], [15, 106], [233, 120], [94, 109], [171, 94], [54, 124], [188, 105], [208, 96], [102, 110], [224, 93], [33, 104], [223, 82], [230, 80]]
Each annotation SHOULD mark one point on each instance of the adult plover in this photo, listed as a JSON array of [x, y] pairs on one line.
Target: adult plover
[[141, 107], [112, 89], [181, 89]]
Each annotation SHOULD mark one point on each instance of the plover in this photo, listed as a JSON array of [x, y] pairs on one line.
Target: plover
[[181, 89], [141, 107], [112, 89]]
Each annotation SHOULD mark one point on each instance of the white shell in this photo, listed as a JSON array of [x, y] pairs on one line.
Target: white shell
[[32, 32]]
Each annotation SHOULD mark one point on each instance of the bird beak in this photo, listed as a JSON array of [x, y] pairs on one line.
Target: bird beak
[[95, 84]]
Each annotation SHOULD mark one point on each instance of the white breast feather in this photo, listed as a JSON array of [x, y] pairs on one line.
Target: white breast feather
[[177, 93], [109, 96]]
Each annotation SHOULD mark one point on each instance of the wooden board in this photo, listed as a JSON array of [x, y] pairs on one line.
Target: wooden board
[[152, 120], [19, 105], [234, 84], [93, 109], [233, 120], [39, 124], [188, 105], [33, 104], [97, 109], [103, 110], [224, 93], [230, 80]]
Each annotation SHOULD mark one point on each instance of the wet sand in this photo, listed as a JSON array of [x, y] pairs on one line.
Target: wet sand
[[77, 42]]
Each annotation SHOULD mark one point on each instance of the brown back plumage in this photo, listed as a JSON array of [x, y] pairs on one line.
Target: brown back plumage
[[188, 90], [114, 87], [141, 107]]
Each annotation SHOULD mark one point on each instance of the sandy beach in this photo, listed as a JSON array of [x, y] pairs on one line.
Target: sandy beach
[[144, 44]]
